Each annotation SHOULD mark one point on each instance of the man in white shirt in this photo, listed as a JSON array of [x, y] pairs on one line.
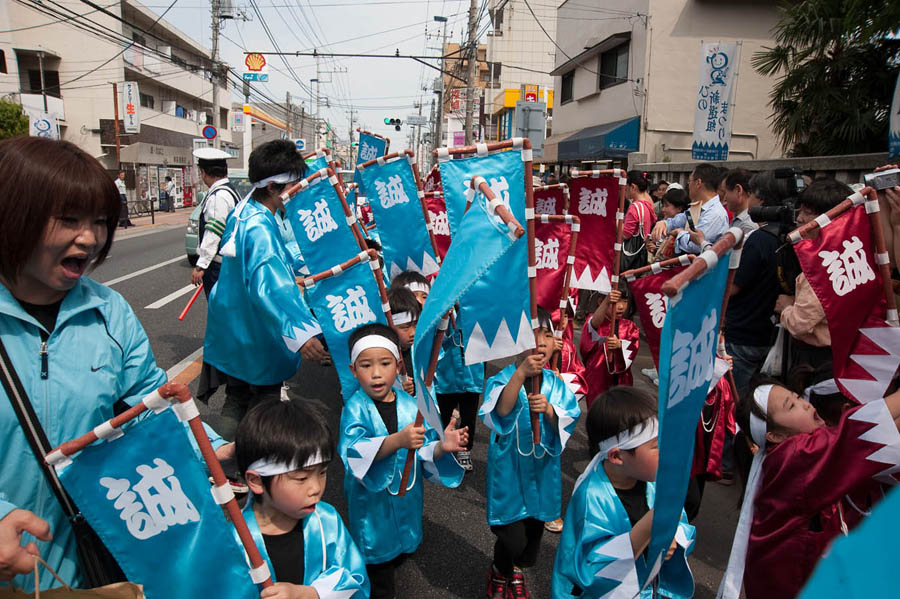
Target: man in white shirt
[[215, 208], [124, 221]]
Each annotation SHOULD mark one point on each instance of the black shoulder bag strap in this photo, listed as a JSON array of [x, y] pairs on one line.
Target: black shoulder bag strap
[[98, 566]]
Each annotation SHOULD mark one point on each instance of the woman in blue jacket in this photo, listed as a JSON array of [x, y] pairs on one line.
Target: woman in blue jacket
[[76, 345]]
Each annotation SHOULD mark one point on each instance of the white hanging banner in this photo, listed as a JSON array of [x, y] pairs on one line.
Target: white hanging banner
[[714, 114], [894, 123], [131, 107], [43, 124]]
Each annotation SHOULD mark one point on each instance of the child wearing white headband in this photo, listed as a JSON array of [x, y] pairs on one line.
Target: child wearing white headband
[[405, 310], [283, 450], [801, 484], [608, 519], [377, 431]]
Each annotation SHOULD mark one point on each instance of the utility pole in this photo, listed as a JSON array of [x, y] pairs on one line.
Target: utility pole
[[215, 60], [318, 76], [473, 62], [439, 115], [352, 157], [115, 123], [435, 142], [290, 115]]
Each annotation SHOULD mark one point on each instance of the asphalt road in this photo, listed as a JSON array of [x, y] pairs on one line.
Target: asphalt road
[[453, 559]]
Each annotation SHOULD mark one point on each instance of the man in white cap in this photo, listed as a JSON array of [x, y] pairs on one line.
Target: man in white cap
[[219, 202]]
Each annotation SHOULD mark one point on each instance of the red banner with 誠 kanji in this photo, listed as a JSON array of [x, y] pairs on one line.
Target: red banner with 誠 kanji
[[595, 200]]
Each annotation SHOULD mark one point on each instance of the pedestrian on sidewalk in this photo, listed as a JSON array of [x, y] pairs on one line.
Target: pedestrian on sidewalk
[[170, 195], [124, 220]]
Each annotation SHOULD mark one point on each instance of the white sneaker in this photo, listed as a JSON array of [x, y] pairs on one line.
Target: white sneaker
[[465, 460]]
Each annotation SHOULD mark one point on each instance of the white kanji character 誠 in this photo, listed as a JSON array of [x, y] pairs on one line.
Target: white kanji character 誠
[[848, 269], [593, 201], [391, 193], [546, 253], [318, 221], [351, 310]]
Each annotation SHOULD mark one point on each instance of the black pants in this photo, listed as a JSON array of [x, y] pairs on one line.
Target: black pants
[[517, 544], [468, 410], [381, 578], [210, 276], [240, 396]]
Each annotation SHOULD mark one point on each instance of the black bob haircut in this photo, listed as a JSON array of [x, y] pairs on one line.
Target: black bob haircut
[[824, 194], [678, 198], [545, 321], [409, 276], [639, 178], [282, 431], [273, 158], [374, 328], [619, 409], [709, 174], [402, 299]]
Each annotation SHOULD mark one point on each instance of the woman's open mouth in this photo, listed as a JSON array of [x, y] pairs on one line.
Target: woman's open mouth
[[74, 266]]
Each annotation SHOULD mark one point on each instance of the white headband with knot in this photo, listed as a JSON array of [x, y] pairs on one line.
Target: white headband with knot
[[279, 179], [631, 438], [420, 287], [730, 587], [370, 341], [402, 318], [268, 467]]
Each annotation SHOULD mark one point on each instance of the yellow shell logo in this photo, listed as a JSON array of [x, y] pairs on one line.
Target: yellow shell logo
[[255, 62]]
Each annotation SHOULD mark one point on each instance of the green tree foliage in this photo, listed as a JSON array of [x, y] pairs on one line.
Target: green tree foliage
[[12, 121], [836, 63]]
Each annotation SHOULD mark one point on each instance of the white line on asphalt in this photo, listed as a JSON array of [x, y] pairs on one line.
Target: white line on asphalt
[[171, 297], [138, 273], [176, 370]]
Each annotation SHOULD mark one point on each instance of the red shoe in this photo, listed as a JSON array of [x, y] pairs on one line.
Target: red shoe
[[498, 585], [517, 589]]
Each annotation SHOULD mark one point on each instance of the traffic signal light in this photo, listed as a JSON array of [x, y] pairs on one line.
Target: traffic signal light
[[394, 122]]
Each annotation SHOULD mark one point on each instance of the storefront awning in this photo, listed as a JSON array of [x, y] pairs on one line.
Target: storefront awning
[[611, 140]]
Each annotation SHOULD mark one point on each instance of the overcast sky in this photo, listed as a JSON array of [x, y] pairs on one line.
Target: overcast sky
[[376, 88]]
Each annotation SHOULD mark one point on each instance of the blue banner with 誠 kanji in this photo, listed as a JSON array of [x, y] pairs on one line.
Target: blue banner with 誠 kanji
[[370, 148], [320, 226], [148, 497], [394, 198], [342, 303], [686, 361]]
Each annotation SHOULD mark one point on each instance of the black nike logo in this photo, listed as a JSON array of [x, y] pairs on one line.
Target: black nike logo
[[96, 369]]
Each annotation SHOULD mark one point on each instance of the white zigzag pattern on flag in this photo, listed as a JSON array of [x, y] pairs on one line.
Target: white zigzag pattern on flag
[[627, 353], [885, 434], [571, 381], [881, 367], [621, 568], [503, 346], [301, 336], [587, 280], [428, 266]]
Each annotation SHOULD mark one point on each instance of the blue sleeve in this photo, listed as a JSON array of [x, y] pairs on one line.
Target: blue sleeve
[[358, 446], [345, 575], [684, 245], [140, 375], [565, 405], [6, 507], [444, 471], [679, 221], [675, 574], [502, 425]]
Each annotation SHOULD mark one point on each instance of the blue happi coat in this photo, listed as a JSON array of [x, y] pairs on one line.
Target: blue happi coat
[[332, 564], [595, 552], [258, 319], [452, 374], [383, 524], [523, 479]]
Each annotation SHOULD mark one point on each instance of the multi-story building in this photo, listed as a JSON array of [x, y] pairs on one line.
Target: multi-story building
[[520, 54], [626, 75], [66, 67], [455, 90]]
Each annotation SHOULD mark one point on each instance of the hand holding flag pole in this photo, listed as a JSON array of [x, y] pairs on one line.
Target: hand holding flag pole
[[575, 224], [191, 302]]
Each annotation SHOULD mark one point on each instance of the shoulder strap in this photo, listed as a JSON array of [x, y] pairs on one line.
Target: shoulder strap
[[31, 427]]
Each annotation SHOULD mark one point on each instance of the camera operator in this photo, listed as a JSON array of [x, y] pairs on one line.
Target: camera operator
[[802, 314]]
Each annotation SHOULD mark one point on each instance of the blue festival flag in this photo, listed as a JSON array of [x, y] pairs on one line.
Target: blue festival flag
[[859, 565], [455, 177], [396, 204], [342, 303], [317, 162], [370, 148], [320, 225], [495, 312], [686, 364], [147, 495]]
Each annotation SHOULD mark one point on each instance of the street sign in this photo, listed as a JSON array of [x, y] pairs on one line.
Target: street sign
[[531, 122], [131, 105], [531, 93], [209, 132], [415, 119], [301, 144], [256, 67]]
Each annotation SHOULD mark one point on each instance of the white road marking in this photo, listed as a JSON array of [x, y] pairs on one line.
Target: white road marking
[[178, 368], [171, 297], [142, 271]]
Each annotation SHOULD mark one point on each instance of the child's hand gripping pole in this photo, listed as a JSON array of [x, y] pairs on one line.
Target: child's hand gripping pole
[[429, 381], [186, 410], [191, 302]]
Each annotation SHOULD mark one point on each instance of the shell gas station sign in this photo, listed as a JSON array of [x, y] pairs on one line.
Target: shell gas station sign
[[256, 68]]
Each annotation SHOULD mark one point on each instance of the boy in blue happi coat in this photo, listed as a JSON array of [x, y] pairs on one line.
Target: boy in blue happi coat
[[523, 479], [377, 431], [601, 552], [283, 450]]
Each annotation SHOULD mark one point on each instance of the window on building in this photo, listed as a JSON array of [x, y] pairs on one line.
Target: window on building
[[147, 101], [567, 94], [138, 38], [51, 81], [3, 62], [613, 66], [497, 20]]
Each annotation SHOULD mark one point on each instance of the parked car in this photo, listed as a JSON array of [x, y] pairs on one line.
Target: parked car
[[241, 184]]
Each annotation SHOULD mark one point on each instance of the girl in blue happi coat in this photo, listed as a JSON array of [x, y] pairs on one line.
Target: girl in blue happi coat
[[283, 450], [377, 431], [523, 479], [609, 517]]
